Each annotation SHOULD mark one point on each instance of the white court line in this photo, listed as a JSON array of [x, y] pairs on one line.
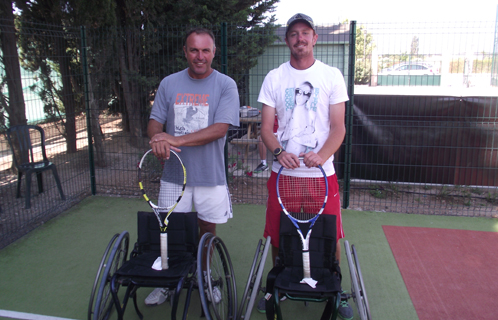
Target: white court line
[[27, 316]]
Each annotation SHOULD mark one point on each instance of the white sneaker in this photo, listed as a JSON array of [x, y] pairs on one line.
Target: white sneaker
[[216, 295], [157, 296], [216, 291]]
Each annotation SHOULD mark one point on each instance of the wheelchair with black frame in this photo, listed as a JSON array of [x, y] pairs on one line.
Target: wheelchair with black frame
[[193, 264], [284, 279]]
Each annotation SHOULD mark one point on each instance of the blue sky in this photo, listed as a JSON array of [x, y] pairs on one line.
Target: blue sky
[[331, 12]]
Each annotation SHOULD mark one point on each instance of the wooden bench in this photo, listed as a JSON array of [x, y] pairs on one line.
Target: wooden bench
[[245, 142]]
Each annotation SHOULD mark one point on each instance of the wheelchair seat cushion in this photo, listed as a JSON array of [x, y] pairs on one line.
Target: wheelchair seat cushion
[[141, 266], [289, 280], [182, 247]]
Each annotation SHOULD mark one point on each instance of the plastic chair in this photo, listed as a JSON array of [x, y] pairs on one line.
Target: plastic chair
[[24, 139]]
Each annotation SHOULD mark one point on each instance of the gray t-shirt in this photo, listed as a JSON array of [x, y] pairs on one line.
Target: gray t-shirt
[[188, 105]]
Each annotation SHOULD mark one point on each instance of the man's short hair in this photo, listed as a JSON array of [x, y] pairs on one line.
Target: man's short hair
[[198, 30]]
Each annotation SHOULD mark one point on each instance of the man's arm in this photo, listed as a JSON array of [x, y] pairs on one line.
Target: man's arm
[[161, 142], [334, 140], [288, 160], [201, 137]]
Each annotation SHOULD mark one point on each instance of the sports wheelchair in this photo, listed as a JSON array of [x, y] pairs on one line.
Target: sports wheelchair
[[190, 261], [284, 279]]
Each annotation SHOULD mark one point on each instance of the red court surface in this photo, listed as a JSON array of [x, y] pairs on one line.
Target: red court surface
[[449, 274]]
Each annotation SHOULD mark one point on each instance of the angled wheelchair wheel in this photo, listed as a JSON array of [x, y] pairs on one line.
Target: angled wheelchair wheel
[[253, 285], [98, 277], [363, 291], [104, 304], [357, 290], [216, 279]]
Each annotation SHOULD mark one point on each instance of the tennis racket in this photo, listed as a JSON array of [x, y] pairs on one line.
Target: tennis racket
[[162, 182], [302, 200]]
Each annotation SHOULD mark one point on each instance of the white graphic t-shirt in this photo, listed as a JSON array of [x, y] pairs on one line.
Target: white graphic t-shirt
[[302, 99]]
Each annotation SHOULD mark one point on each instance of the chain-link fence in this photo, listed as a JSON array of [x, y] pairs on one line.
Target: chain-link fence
[[420, 121]]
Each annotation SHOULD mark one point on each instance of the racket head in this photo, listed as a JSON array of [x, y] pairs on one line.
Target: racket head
[[162, 181], [302, 198]]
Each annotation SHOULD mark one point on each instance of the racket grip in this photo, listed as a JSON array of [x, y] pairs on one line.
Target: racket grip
[[164, 250], [306, 264]]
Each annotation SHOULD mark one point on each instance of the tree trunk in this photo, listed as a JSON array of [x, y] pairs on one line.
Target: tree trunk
[[67, 97], [16, 108], [98, 136], [132, 103]]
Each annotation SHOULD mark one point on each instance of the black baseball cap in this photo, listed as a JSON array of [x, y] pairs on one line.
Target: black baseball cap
[[299, 17]]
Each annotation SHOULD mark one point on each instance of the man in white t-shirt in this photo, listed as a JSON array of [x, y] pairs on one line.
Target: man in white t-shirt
[[308, 98]]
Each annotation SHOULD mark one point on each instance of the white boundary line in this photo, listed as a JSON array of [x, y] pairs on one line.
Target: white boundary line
[[27, 316]]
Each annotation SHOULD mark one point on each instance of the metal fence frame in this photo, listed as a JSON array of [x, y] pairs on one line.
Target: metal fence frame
[[81, 176]]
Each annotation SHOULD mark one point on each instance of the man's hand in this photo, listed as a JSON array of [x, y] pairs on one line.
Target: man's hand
[[161, 145], [288, 160], [311, 159]]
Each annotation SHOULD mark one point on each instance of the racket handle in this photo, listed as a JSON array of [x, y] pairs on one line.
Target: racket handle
[[306, 264], [164, 250]]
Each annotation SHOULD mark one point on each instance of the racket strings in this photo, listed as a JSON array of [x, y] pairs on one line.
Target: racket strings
[[149, 175], [168, 194], [303, 197], [173, 171], [162, 180], [172, 182]]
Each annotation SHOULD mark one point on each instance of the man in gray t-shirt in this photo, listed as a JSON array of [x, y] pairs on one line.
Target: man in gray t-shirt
[[198, 105]]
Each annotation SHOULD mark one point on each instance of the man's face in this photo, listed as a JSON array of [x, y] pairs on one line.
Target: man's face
[[199, 51], [300, 39]]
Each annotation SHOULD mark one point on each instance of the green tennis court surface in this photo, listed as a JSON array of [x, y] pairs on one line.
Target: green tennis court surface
[[49, 273]]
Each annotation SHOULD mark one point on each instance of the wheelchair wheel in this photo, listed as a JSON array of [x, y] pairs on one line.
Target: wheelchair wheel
[[253, 285], [361, 283], [98, 277], [104, 303], [216, 279], [357, 292]]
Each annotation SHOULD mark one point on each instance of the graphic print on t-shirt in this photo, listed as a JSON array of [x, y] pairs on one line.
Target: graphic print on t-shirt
[[299, 135], [191, 113]]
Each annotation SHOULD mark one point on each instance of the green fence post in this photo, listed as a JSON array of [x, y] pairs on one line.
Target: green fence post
[[224, 70], [84, 65], [349, 115]]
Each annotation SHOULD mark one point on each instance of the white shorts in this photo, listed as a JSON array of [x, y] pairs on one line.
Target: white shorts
[[213, 204]]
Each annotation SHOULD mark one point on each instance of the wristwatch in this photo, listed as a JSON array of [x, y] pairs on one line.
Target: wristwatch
[[277, 152]]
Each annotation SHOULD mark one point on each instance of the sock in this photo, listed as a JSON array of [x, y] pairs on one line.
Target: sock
[[263, 162]]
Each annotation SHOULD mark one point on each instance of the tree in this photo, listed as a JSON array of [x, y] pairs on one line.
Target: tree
[[147, 51], [363, 52], [414, 46], [14, 103], [45, 38], [50, 44], [132, 46]]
